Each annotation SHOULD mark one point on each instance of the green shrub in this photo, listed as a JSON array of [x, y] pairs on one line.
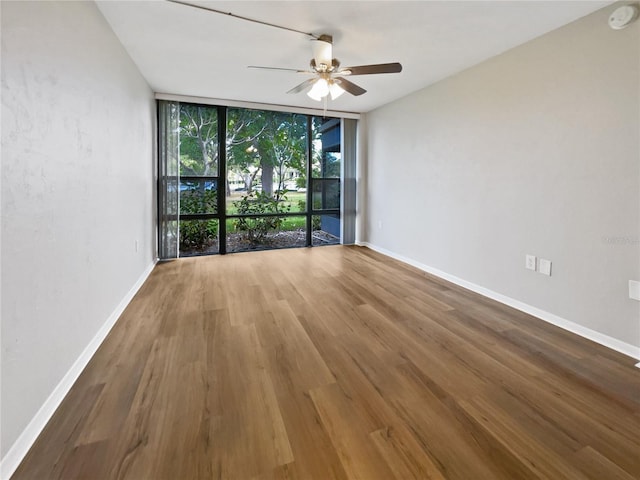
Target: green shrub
[[197, 234], [257, 203], [197, 200]]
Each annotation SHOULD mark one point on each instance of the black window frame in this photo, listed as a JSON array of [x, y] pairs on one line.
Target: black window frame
[[221, 214]]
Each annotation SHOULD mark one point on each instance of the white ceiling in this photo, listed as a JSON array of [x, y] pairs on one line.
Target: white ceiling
[[186, 51]]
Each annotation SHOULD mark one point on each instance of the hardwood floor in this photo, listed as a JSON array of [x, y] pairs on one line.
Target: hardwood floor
[[337, 363]]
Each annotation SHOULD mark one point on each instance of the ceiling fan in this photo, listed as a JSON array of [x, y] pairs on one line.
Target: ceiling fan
[[328, 75]]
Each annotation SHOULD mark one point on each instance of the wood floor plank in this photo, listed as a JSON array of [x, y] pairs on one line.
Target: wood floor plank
[[437, 420], [284, 339], [349, 433], [598, 466], [314, 453], [249, 435], [337, 363], [541, 459], [57, 442], [142, 437], [585, 395], [404, 455]]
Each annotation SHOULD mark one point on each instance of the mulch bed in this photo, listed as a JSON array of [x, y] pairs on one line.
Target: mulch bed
[[237, 242]]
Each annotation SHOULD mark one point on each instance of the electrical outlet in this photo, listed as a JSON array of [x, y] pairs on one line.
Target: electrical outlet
[[544, 266], [530, 262], [379, 224], [136, 245]]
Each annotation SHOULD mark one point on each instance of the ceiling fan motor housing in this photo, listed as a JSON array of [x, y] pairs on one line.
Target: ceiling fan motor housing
[[323, 53]]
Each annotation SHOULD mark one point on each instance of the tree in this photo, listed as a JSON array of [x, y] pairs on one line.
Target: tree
[[198, 140], [282, 145], [258, 143], [243, 128]]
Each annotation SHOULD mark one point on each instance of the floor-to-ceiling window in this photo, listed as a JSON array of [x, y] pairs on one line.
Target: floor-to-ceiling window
[[248, 179], [325, 180], [267, 171], [199, 199]]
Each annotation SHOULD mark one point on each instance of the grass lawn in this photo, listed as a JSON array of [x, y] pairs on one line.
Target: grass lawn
[[288, 223], [292, 201], [293, 223]]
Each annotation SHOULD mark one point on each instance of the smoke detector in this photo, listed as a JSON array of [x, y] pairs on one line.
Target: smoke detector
[[623, 16]]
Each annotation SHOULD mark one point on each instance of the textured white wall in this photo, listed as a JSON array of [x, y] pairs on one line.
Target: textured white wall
[[535, 151], [77, 192]]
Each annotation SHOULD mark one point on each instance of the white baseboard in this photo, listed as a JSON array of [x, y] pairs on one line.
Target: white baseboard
[[602, 339], [21, 446]]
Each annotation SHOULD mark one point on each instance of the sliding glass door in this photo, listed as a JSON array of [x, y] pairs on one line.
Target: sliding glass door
[[248, 179]]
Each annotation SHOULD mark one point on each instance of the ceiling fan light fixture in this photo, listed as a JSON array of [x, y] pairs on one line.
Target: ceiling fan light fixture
[[335, 90], [319, 90]]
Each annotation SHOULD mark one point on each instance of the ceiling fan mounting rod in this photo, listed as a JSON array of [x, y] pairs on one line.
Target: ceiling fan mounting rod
[[240, 17]]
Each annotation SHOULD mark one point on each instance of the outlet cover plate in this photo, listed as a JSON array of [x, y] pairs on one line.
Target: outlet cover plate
[[530, 262], [634, 290], [544, 266]]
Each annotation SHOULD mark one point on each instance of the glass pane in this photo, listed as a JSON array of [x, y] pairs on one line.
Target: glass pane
[[266, 156], [326, 230], [169, 153], [198, 140], [326, 194], [263, 233], [295, 201], [326, 156], [198, 196], [198, 237]]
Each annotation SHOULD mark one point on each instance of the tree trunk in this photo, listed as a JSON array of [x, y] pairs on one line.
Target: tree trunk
[[205, 157], [267, 178], [250, 179]]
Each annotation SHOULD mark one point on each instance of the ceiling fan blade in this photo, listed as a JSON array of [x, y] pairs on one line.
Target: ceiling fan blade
[[306, 84], [279, 68], [372, 69], [350, 87]]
